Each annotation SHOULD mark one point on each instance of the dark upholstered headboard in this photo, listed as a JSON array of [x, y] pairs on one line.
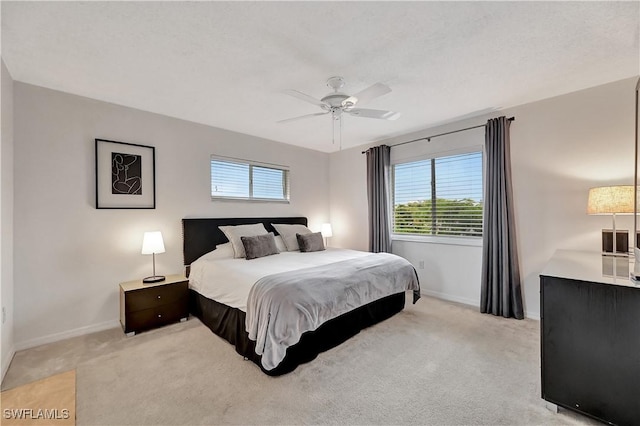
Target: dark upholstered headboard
[[200, 236]]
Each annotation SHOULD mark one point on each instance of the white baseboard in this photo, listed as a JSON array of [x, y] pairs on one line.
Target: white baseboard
[[6, 362], [470, 302], [451, 298], [533, 315], [66, 334]]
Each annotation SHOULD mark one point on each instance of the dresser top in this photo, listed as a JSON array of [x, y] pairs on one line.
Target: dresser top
[[591, 266]]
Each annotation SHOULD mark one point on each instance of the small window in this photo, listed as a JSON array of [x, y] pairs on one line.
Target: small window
[[247, 180], [439, 196]]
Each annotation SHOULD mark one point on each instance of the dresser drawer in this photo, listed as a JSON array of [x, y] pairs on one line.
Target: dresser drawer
[[157, 316], [152, 297]]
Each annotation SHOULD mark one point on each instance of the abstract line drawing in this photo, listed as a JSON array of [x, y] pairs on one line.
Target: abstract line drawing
[[126, 174]]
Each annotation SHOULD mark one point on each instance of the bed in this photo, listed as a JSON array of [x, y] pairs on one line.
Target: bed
[[230, 319]]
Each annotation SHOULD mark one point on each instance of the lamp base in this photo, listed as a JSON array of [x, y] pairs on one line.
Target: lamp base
[[621, 244], [153, 279]]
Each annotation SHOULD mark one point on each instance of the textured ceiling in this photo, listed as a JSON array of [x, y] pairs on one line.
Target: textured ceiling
[[226, 64]]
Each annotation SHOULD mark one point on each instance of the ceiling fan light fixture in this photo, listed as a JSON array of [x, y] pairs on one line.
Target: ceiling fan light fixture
[[350, 102], [337, 102]]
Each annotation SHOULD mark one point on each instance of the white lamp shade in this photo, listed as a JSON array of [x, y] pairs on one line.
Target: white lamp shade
[[152, 243], [610, 200], [326, 230]]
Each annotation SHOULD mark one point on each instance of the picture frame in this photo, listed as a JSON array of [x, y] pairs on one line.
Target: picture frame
[[125, 175]]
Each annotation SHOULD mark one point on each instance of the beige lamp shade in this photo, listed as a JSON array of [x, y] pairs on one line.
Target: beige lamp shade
[[610, 200]]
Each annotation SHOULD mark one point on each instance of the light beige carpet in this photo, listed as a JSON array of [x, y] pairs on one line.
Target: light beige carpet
[[50, 401], [434, 363]]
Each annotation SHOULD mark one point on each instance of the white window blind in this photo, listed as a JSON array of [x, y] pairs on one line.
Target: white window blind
[[246, 180], [439, 196]]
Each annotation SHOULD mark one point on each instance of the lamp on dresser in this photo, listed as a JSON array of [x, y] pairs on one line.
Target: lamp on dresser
[[612, 200], [151, 244]]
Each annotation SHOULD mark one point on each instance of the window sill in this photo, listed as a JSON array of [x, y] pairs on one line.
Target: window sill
[[250, 200], [426, 239]]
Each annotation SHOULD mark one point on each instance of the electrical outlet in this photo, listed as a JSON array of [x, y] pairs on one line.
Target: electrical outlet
[[421, 264], [4, 314]]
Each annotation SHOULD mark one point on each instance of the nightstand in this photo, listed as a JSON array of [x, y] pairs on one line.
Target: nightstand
[[147, 306]]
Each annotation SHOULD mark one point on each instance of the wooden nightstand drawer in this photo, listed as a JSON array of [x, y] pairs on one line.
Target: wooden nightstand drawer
[[146, 306], [146, 298], [155, 317]]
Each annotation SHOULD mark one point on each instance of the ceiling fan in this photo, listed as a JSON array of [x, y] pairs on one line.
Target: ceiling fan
[[338, 103]]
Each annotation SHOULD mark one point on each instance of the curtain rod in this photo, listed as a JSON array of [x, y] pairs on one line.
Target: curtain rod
[[428, 138]]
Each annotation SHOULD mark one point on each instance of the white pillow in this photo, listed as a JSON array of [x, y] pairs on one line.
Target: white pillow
[[289, 232], [233, 234], [280, 243], [222, 251]]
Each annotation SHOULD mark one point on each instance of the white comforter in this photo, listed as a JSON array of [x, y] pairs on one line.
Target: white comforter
[[229, 281]]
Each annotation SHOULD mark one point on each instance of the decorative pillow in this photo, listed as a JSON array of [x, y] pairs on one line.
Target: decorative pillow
[[289, 232], [222, 251], [310, 242], [259, 246], [233, 234]]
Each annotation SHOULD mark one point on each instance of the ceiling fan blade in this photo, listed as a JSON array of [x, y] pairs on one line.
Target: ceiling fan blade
[[374, 113], [367, 94], [305, 97], [302, 116]]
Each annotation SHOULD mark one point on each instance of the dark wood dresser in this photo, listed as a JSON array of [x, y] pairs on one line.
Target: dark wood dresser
[[147, 306], [590, 336]]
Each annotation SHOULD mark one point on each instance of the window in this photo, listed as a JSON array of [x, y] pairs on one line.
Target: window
[[439, 196], [247, 180]]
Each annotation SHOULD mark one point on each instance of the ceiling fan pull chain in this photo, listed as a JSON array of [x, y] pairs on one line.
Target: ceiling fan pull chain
[[333, 128], [341, 133]]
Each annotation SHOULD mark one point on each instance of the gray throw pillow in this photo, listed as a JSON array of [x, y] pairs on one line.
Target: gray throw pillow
[[234, 232], [259, 246], [310, 242]]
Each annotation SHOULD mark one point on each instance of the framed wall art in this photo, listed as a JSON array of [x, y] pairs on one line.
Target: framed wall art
[[125, 175]]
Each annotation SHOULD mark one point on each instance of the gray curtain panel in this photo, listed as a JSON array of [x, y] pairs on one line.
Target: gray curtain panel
[[378, 192], [501, 292]]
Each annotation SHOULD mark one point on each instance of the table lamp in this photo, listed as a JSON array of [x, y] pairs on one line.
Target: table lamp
[[611, 200], [326, 232], [151, 244]]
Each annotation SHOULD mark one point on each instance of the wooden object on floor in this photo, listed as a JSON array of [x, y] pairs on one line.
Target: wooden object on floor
[[50, 401]]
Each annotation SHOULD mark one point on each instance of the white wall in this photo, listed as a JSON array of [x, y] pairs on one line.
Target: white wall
[[70, 257], [6, 222], [560, 148]]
